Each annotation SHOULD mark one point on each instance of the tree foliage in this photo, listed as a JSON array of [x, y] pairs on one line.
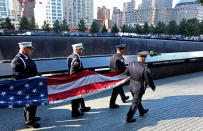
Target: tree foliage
[[200, 1], [95, 27], [172, 28], [183, 28], [138, 29], [33, 25], [160, 28], [6, 24], [114, 29], [152, 29], [146, 29], [57, 26], [201, 27], [104, 29], [65, 26], [82, 26], [124, 28], [192, 27], [45, 26], [24, 24]]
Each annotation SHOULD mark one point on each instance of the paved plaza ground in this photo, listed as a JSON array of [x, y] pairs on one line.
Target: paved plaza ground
[[177, 105]]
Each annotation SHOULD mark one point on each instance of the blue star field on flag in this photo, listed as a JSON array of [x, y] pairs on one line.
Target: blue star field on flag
[[23, 93]]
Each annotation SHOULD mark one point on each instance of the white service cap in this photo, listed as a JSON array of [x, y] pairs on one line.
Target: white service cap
[[77, 46], [25, 44]]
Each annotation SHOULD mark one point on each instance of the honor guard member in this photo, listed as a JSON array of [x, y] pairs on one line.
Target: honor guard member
[[117, 62], [140, 77], [22, 67], [75, 66]]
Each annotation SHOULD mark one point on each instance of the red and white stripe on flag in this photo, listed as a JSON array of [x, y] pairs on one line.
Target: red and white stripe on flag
[[85, 83]]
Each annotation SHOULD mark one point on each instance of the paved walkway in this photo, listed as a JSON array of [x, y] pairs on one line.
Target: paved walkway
[[176, 105]]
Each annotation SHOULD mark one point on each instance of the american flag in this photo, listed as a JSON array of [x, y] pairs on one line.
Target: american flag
[[50, 90]]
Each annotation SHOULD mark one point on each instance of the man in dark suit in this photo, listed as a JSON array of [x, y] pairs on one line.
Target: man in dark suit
[[75, 66], [117, 62], [140, 77], [23, 67]]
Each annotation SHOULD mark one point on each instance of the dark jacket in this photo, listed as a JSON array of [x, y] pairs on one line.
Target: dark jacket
[[23, 67], [140, 76], [74, 64], [117, 62]]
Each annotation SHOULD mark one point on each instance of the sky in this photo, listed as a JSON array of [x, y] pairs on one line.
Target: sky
[[114, 3]]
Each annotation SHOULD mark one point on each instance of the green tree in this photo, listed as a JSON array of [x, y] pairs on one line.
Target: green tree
[[201, 27], [104, 29], [95, 27], [114, 29], [1, 23], [146, 28], [45, 26], [6, 24], [33, 25], [160, 28], [82, 26], [57, 26], [172, 28], [65, 26], [200, 1], [130, 29], [24, 24], [152, 29], [9, 25], [124, 28], [138, 29], [183, 27], [193, 27]]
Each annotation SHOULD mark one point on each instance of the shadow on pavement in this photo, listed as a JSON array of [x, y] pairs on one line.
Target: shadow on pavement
[[168, 108], [55, 118]]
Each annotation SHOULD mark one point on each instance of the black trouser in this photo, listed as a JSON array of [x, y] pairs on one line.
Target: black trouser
[[77, 104], [115, 92], [136, 104], [29, 113]]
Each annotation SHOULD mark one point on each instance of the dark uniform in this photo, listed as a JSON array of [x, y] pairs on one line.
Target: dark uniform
[[23, 67], [140, 77], [117, 62], [75, 66]]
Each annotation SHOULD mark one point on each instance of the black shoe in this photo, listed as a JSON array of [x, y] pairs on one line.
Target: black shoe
[[32, 125], [144, 112], [114, 106], [125, 99], [77, 114], [130, 120], [37, 119], [85, 109]]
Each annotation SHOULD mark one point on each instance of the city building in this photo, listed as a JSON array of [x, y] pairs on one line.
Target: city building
[[187, 9], [141, 11], [103, 13], [103, 16], [17, 10], [127, 13], [76, 10], [164, 15], [22, 8], [28, 8], [117, 17], [6, 9], [49, 11]]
